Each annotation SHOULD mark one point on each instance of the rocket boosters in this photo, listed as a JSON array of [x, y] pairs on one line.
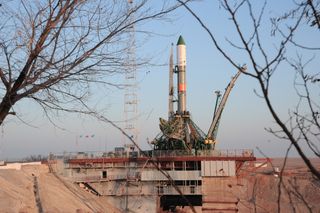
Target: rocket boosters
[[171, 88], [181, 70]]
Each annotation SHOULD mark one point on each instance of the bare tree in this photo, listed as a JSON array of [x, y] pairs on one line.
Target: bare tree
[[301, 128], [53, 51]]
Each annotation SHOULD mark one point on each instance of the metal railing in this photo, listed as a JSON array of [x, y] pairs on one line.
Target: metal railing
[[203, 153], [98, 178], [157, 154]]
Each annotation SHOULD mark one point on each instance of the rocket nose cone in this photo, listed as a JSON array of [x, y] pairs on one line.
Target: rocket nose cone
[[180, 41]]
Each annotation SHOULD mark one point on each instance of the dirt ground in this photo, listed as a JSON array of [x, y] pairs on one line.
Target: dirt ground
[[17, 193], [295, 191], [16, 189], [35, 189]]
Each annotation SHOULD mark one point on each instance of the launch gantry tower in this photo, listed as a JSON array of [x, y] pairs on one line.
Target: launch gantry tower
[[130, 109]]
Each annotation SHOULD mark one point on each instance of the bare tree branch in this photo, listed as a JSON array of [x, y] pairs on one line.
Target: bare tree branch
[[60, 49], [292, 130]]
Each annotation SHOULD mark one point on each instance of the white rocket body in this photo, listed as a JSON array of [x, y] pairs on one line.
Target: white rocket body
[[181, 55], [182, 86]]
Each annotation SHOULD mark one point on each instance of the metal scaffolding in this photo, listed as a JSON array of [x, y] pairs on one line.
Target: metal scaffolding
[[131, 88]]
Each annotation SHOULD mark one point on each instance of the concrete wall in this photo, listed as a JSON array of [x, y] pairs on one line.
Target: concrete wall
[[120, 188], [155, 175], [218, 168], [136, 204], [17, 166], [220, 194]]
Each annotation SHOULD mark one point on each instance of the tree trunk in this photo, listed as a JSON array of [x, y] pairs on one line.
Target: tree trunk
[[5, 106]]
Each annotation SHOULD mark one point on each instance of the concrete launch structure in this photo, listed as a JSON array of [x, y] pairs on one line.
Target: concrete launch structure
[[160, 180], [176, 173]]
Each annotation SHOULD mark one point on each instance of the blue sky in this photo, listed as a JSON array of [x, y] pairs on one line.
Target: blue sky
[[243, 120]]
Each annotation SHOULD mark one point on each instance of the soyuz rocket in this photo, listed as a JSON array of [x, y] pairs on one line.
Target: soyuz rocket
[[180, 132], [180, 70], [181, 64]]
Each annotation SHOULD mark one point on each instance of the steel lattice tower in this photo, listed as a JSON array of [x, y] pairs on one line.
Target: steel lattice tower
[[131, 87]]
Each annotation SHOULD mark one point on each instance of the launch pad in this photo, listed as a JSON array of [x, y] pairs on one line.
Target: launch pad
[[180, 168], [180, 132]]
